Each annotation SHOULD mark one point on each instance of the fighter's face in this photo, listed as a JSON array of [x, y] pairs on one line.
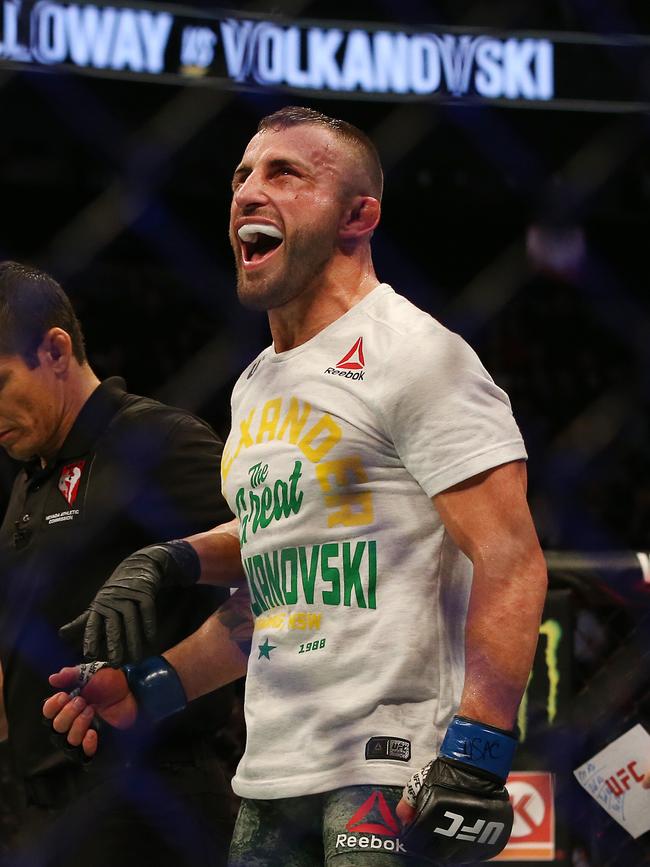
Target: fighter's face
[[29, 415], [287, 205]]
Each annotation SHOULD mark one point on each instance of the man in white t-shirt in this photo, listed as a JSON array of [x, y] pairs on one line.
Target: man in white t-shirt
[[394, 573]]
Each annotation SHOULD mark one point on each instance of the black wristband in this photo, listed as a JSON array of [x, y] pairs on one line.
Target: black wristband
[[183, 567]]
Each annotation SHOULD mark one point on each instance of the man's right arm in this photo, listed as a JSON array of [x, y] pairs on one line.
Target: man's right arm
[[217, 653], [213, 656]]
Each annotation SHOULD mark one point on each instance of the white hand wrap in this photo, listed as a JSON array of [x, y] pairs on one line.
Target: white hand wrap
[[84, 673], [414, 785]]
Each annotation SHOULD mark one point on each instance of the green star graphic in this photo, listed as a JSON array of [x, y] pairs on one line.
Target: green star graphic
[[265, 649]]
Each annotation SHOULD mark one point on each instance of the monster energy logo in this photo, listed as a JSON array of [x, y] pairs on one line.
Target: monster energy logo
[[552, 632]]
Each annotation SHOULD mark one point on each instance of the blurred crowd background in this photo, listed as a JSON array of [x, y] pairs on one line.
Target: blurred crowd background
[[525, 230]]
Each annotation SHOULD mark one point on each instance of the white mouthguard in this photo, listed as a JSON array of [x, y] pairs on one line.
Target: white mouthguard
[[250, 231]]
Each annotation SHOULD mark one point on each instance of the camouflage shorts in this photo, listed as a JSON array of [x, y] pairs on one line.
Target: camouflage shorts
[[355, 825]]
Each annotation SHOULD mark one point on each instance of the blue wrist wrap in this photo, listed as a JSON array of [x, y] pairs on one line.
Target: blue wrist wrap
[[156, 687], [479, 745]]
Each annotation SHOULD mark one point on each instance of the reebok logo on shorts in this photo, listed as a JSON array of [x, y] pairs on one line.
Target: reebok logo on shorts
[[351, 366], [373, 827], [374, 817]]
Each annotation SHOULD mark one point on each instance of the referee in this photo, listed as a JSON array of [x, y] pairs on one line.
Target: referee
[[104, 472]]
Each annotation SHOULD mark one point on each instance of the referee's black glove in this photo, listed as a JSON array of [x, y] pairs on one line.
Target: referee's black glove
[[121, 619]]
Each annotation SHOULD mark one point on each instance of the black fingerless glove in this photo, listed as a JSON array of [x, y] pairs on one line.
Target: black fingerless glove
[[463, 811]]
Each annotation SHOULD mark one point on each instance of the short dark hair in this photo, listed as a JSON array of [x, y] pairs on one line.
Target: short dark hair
[[295, 115], [32, 302]]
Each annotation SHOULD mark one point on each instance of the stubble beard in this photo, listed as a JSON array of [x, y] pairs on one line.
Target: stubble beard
[[304, 260]]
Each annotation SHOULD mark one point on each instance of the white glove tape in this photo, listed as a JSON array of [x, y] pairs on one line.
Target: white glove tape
[[84, 673], [414, 785]]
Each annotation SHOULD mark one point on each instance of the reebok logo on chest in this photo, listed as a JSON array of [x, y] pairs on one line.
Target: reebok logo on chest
[[352, 365]]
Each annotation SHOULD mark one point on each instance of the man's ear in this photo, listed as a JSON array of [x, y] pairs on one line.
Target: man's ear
[[55, 350], [360, 219]]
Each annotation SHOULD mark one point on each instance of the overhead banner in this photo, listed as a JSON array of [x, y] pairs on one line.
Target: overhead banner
[[327, 59]]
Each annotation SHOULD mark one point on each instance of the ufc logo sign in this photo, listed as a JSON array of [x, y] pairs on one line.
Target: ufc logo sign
[[490, 831], [620, 782]]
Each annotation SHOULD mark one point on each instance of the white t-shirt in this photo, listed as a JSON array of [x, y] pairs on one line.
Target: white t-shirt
[[358, 592]]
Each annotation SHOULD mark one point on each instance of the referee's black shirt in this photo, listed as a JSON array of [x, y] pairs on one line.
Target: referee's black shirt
[[131, 472]]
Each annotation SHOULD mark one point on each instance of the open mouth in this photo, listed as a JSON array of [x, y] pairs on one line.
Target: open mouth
[[259, 242]]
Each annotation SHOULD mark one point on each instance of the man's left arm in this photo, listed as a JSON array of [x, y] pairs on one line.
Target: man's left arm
[[489, 519], [458, 806]]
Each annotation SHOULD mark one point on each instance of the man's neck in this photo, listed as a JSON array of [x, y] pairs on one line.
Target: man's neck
[[81, 385], [314, 309]]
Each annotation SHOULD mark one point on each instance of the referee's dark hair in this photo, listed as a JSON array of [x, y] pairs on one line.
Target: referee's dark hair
[[32, 302]]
